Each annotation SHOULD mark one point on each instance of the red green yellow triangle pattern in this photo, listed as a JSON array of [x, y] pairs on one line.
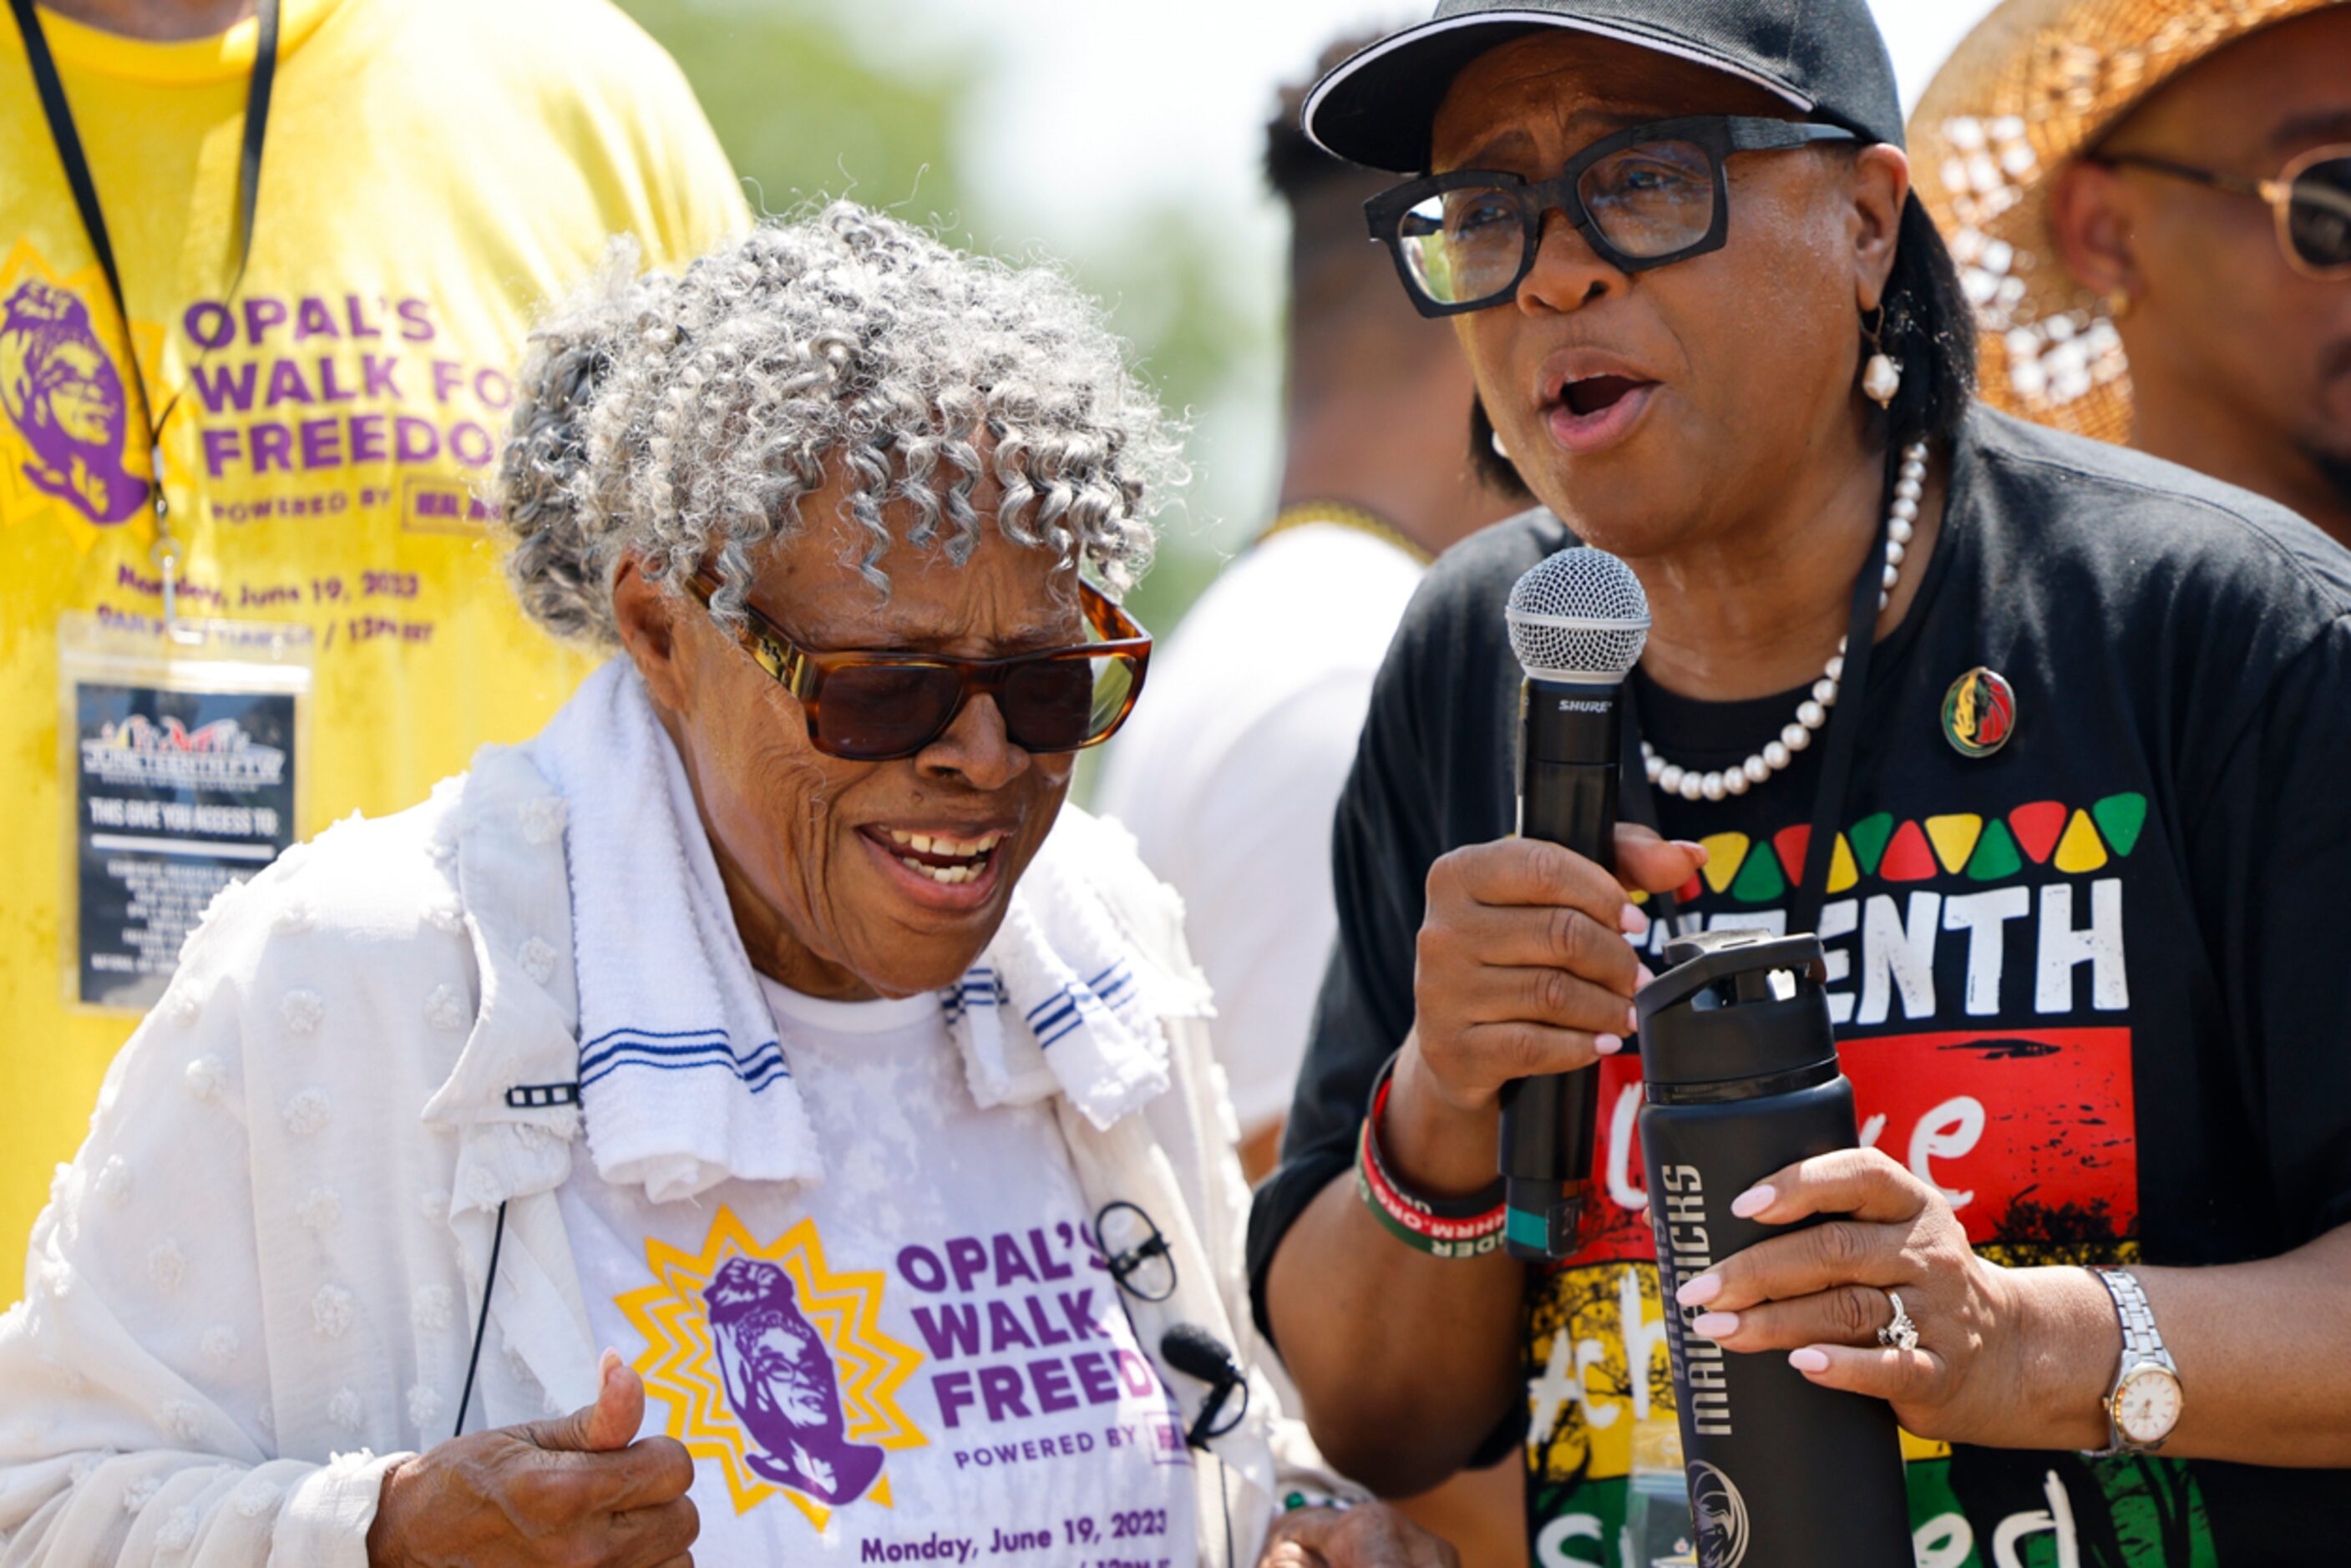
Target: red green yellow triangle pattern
[[2075, 840]]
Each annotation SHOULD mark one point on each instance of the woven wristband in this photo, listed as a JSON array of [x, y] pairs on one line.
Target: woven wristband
[[1442, 1228]]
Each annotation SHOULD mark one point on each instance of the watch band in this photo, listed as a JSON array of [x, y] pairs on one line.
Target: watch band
[[2142, 1346]]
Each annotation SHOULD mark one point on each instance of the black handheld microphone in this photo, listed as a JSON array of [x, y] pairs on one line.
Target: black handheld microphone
[[1196, 1353], [1578, 622]]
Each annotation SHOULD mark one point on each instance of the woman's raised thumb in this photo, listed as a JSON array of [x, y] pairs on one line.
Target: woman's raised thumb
[[611, 1422]]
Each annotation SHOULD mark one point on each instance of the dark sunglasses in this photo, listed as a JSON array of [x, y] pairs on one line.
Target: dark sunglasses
[[1642, 198], [871, 707], [2311, 198]]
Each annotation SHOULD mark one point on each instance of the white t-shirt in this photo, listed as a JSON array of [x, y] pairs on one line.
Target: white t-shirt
[[1229, 770], [920, 1359]]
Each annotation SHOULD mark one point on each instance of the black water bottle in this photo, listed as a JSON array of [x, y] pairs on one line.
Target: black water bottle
[[1741, 1079]]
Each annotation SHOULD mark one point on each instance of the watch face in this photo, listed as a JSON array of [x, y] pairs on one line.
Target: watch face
[[2147, 1405]]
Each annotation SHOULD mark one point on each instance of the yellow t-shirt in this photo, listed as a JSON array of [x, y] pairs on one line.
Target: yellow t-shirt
[[434, 172]]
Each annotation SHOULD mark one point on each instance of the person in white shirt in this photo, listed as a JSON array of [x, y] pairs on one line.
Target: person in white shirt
[[1227, 778], [765, 1019]]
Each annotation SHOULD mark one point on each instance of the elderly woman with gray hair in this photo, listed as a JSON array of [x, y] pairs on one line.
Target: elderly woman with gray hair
[[766, 1018]]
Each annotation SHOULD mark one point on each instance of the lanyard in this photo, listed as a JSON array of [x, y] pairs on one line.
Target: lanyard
[[1840, 743], [93, 221]]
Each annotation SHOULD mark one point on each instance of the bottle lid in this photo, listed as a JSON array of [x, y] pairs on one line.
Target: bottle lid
[[1735, 1004]]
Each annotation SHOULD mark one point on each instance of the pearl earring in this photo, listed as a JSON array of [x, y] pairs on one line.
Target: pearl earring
[[1881, 378], [1500, 449]]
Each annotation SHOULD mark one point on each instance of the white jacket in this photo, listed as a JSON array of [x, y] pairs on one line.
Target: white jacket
[[255, 1287]]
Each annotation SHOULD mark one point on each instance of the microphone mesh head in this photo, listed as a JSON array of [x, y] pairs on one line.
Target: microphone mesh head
[[1195, 1351], [1579, 616]]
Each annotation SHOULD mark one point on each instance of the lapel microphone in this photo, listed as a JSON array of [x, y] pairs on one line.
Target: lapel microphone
[[1196, 1353], [1578, 622]]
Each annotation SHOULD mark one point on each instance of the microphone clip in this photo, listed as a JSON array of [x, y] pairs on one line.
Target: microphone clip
[[1196, 1353], [1131, 1267], [1203, 1428]]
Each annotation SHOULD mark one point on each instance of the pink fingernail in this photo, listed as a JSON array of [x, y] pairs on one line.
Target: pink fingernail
[[1700, 850], [1809, 1360], [1648, 977], [1608, 1044], [1699, 1291], [1753, 1201], [1632, 1020], [1632, 922], [1715, 1324]]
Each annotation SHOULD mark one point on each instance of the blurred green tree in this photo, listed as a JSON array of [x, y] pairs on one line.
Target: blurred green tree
[[804, 115]]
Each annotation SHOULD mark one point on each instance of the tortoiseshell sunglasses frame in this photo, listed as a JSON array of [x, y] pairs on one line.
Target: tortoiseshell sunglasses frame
[[802, 671]]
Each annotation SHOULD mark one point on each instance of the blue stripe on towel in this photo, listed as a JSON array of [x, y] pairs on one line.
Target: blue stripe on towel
[[1054, 1018], [715, 1040], [1063, 1011], [978, 987], [756, 1074], [681, 1048], [1064, 1029], [637, 1033], [712, 1039]]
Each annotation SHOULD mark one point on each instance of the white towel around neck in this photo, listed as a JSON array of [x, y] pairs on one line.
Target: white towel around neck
[[684, 1082]]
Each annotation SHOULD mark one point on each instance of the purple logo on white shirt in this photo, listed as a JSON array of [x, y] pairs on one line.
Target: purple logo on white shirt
[[781, 1385]]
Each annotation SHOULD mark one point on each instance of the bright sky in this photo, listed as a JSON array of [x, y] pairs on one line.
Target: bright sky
[[1091, 110], [1133, 96]]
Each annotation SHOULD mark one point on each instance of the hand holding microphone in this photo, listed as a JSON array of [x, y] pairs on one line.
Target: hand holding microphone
[[1523, 973], [1578, 622]]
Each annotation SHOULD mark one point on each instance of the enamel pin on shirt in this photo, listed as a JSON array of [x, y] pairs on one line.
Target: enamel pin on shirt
[[1980, 712]]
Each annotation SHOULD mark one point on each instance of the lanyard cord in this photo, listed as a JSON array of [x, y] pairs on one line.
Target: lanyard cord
[[67, 140], [1843, 737], [1842, 740]]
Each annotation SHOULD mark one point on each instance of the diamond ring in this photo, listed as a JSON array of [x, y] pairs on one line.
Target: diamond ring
[[1901, 1334]]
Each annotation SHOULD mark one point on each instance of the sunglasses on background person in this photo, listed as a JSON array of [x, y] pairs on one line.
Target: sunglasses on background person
[[1642, 198], [2311, 199], [876, 706]]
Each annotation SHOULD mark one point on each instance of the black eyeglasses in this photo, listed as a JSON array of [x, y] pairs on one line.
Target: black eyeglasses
[[871, 707], [1642, 198], [2311, 198]]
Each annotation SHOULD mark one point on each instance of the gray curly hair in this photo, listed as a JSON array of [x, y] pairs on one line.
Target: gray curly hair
[[683, 416]]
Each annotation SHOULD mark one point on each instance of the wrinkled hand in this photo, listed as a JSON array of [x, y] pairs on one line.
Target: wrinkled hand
[[1523, 965], [1820, 1294], [1372, 1535], [574, 1490]]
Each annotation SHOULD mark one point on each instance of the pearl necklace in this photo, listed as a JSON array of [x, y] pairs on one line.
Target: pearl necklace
[[1813, 712]]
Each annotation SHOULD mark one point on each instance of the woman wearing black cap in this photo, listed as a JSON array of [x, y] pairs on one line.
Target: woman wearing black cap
[[2074, 831]]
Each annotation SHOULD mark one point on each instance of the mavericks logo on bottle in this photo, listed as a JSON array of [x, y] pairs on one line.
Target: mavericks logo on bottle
[[1720, 1514]]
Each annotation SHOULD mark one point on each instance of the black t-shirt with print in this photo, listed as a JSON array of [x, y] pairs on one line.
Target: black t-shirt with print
[[2091, 985]]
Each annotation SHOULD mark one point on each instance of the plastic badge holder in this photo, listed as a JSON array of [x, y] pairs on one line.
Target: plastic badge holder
[[182, 749]]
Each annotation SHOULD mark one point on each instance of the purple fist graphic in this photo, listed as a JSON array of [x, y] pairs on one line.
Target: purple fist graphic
[[65, 397], [781, 1385]]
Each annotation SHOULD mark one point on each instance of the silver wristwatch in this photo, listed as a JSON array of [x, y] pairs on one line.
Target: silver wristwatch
[[2145, 1403]]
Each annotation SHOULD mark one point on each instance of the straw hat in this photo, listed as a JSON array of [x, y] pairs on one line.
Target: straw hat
[[2037, 84]]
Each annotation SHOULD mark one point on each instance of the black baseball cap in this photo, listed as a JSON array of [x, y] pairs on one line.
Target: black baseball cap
[[1825, 57]]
